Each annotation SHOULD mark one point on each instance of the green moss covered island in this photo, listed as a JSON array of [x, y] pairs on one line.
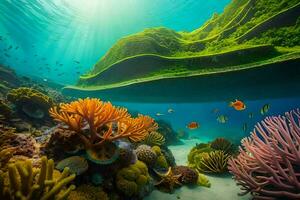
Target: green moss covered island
[[249, 34]]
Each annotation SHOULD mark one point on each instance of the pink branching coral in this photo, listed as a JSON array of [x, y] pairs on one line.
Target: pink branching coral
[[268, 165]]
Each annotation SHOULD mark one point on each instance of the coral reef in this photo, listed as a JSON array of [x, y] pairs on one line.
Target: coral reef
[[268, 165], [168, 156], [132, 179], [31, 102], [161, 161], [213, 162], [222, 144], [168, 132], [88, 192], [62, 140], [19, 144], [28, 183], [146, 154], [188, 175], [168, 180], [154, 138], [105, 124], [76, 164], [203, 180], [5, 109]]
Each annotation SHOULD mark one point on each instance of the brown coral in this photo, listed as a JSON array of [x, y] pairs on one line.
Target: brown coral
[[222, 144], [146, 154], [188, 175]]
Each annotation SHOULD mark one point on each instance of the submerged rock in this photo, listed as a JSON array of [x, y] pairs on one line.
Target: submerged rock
[[77, 164]]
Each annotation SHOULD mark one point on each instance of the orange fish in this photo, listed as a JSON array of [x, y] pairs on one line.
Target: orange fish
[[193, 125], [238, 105]]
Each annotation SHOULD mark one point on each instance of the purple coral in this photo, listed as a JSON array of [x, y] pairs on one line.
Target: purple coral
[[268, 165]]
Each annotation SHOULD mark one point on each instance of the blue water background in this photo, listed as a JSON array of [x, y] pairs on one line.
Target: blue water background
[[203, 113]]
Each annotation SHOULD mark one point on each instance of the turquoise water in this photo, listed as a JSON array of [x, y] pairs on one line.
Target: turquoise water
[[204, 114], [53, 35]]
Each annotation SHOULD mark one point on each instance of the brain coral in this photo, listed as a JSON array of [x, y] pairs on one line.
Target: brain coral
[[131, 180], [30, 101], [146, 154]]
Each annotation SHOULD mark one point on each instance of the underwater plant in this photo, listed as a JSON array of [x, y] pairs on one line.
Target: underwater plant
[[30, 101], [268, 165], [29, 183], [154, 138], [99, 123]]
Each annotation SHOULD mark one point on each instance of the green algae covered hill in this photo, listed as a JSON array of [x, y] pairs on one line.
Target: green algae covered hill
[[249, 35]]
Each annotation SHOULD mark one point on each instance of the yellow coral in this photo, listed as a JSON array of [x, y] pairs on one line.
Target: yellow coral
[[88, 192], [28, 183], [213, 162], [131, 179], [203, 180]]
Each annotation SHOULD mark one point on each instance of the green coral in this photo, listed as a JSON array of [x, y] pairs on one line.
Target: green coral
[[161, 161], [203, 180], [213, 162], [28, 183], [132, 179], [30, 101]]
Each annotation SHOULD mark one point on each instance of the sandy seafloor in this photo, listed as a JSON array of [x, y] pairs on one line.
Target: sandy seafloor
[[222, 187]]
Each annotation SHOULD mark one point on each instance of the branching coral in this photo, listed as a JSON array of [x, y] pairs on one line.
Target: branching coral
[[28, 183], [104, 121], [268, 165], [32, 102], [154, 138]]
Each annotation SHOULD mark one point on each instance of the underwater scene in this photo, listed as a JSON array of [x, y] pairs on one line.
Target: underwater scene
[[149, 99]]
